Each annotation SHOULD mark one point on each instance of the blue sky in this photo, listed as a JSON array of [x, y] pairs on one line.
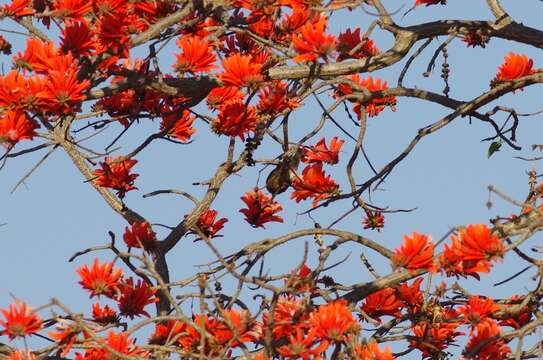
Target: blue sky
[[56, 214]]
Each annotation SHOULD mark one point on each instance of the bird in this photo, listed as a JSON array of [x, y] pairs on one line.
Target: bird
[[280, 178]]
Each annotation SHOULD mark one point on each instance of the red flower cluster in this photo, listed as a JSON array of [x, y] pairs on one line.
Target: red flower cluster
[[208, 224], [115, 174], [20, 321], [374, 106], [514, 67], [261, 208], [314, 184], [140, 235], [472, 252], [417, 252]]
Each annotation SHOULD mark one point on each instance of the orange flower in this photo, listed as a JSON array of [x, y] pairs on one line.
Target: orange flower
[[134, 298], [514, 67], [100, 279], [165, 333], [288, 314], [224, 94], [63, 93], [334, 321], [349, 40], [77, 38], [105, 315], [20, 321], [311, 42], [208, 225], [411, 296], [319, 152], [113, 32], [235, 119], [261, 208], [302, 345], [119, 342], [314, 183], [493, 350], [115, 174], [472, 251], [300, 282], [21, 355], [76, 9], [274, 99], [416, 252], [197, 55], [65, 336], [179, 128], [244, 326], [435, 337], [39, 56], [240, 70], [17, 9], [16, 126], [371, 351], [383, 302], [140, 235], [477, 309], [376, 105]]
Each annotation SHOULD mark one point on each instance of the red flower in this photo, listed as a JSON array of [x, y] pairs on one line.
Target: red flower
[[477, 309], [224, 94], [77, 38], [374, 220], [261, 208], [120, 343], [472, 251], [20, 321], [63, 93], [105, 315], [411, 296], [100, 279], [16, 126], [165, 333], [179, 128], [319, 152], [207, 224], [134, 298], [115, 174], [349, 40], [113, 33], [238, 327], [314, 183], [288, 314], [371, 351], [240, 70], [235, 119], [334, 321], [17, 9], [140, 235], [311, 42], [65, 336], [376, 105], [38, 56], [416, 252], [197, 55], [435, 337], [274, 99], [383, 302], [76, 9], [302, 345], [493, 350], [514, 67]]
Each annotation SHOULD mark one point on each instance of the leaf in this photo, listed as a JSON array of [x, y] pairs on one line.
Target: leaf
[[494, 147]]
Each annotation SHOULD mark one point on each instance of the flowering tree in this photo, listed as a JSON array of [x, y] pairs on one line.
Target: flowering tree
[[243, 69]]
